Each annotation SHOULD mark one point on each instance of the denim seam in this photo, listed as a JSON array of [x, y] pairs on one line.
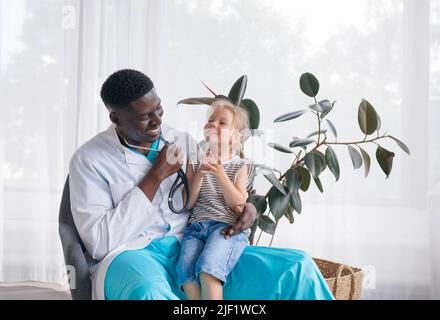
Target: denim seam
[[222, 277], [189, 280], [230, 254]]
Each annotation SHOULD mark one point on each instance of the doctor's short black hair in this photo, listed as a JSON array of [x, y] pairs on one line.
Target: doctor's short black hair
[[123, 87]]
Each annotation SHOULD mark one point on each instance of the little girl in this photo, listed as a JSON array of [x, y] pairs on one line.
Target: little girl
[[218, 184]]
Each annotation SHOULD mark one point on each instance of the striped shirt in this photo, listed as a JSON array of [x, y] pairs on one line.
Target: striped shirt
[[211, 204]]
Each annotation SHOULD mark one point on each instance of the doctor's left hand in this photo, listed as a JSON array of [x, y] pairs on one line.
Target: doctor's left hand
[[246, 220]]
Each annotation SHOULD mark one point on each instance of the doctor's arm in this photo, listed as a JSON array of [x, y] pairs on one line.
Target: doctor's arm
[[102, 224]]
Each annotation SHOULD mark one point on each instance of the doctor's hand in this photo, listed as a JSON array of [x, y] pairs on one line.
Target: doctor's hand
[[168, 161], [246, 220]]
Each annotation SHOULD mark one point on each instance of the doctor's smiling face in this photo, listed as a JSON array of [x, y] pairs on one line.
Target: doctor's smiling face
[[135, 108], [140, 122]]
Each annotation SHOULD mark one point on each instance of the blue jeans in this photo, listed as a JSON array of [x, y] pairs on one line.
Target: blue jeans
[[204, 249]]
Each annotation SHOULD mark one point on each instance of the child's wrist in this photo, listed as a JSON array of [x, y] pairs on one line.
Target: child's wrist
[[222, 176]]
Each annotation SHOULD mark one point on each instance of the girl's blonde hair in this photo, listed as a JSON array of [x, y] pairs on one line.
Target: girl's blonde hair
[[240, 121]]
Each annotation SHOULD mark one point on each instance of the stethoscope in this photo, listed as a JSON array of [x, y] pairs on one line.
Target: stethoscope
[[180, 180]]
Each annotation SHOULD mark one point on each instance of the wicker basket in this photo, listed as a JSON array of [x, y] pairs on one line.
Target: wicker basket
[[344, 281]]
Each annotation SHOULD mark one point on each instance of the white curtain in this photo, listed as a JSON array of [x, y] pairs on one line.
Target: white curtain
[[54, 55]]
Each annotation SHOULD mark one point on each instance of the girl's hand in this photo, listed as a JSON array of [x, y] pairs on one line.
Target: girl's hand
[[211, 164]]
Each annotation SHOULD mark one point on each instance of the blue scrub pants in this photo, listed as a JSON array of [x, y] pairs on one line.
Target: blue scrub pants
[[262, 273]]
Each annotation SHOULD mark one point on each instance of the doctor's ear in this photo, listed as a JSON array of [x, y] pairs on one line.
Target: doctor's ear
[[114, 118]]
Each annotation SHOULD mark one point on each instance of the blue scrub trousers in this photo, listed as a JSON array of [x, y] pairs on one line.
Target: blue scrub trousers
[[262, 273]]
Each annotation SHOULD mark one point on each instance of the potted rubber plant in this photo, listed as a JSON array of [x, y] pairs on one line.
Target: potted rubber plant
[[312, 156]]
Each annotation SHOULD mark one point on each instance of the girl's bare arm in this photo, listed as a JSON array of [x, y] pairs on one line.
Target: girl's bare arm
[[235, 193]]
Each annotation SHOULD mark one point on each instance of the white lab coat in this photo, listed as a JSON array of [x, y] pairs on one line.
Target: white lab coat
[[110, 212]]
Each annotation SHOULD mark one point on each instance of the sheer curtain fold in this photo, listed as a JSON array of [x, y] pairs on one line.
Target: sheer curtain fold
[[54, 56]]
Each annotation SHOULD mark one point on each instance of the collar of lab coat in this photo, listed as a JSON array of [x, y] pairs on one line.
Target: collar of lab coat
[[130, 156]]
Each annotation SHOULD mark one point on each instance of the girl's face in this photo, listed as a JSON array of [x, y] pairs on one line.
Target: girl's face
[[219, 128]]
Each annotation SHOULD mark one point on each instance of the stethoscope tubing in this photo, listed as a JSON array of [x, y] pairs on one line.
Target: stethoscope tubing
[[181, 179]]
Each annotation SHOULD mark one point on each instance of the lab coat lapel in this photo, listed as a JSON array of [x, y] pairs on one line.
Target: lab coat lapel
[[131, 158]]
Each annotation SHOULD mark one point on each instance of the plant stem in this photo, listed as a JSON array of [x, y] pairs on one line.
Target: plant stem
[[358, 142], [319, 128], [319, 122], [258, 240], [273, 236], [295, 163], [319, 144]]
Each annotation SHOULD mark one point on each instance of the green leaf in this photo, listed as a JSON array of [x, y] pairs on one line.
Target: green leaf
[[355, 157], [305, 178], [315, 133], [328, 111], [266, 224], [223, 97], [300, 142], [323, 106], [400, 144], [323, 159], [293, 179], [367, 161], [295, 202], [318, 184], [315, 162], [280, 148], [256, 132], [259, 202], [379, 123], [289, 214], [332, 128], [385, 159], [203, 100], [238, 90], [275, 182], [254, 113], [278, 202], [309, 84], [367, 117], [332, 161], [289, 116]]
